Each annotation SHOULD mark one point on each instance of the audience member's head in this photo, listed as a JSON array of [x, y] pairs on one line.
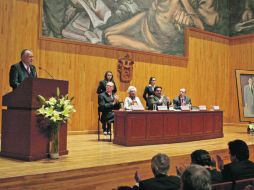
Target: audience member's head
[[160, 164], [108, 76], [196, 177], [238, 150], [201, 157]]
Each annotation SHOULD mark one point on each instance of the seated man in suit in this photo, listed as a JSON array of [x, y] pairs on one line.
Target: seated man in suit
[[107, 103], [157, 99], [240, 167], [181, 100], [196, 177], [161, 181], [22, 70]]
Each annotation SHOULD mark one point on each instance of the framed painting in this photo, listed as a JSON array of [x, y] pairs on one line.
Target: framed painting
[[245, 91]]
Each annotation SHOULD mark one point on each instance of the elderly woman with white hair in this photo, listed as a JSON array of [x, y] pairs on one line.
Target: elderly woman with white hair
[[132, 100]]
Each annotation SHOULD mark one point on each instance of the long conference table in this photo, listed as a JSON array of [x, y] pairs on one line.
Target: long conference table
[[132, 128]]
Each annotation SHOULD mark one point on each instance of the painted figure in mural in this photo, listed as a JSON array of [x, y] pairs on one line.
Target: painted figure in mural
[[53, 17], [159, 29], [81, 19], [245, 21], [248, 12], [249, 98]]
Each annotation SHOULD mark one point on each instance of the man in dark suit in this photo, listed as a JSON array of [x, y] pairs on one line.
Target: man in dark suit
[[107, 103], [240, 167], [161, 181], [22, 70], [181, 100]]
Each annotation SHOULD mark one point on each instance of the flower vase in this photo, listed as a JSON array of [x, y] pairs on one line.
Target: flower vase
[[54, 142]]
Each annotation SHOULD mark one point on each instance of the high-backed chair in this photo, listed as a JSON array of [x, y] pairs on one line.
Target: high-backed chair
[[241, 184], [223, 186]]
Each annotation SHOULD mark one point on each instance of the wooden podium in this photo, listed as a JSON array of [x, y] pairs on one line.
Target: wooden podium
[[24, 135]]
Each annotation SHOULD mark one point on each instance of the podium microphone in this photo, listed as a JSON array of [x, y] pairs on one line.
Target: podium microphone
[[47, 72]]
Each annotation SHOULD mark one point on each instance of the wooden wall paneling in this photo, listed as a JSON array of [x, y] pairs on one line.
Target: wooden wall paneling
[[207, 73]]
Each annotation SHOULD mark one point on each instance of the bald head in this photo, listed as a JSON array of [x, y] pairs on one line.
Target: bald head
[[27, 56]]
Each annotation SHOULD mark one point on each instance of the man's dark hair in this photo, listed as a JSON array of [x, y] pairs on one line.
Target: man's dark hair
[[151, 79], [201, 157], [157, 88], [23, 52], [239, 149], [196, 177]]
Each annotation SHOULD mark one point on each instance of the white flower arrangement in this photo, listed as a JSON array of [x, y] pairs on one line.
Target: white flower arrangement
[[57, 109], [250, 129], [251, 126]]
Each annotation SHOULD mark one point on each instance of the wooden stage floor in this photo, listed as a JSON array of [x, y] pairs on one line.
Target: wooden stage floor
[[85, 152]]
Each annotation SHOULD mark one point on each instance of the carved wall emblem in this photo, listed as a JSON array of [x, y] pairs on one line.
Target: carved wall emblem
[[125, 68]]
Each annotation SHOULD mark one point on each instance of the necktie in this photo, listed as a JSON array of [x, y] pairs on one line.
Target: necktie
[[28, 70]]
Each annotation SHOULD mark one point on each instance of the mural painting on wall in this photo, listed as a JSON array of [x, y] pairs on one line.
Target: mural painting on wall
[[146, 25]]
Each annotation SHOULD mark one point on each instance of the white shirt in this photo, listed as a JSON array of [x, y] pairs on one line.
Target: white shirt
[[27, 67], [128, 103]]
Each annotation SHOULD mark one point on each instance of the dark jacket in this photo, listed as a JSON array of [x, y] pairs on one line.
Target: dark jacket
[[160, 182], [148, 92], [177, 101], [18, 74], [102, 86], [155, 100], [238, 170], [106, 106]]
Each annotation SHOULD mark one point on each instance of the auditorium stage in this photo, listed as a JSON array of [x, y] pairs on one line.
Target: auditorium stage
[[104, 165]]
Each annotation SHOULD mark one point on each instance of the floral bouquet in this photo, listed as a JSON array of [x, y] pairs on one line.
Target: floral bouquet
[[250, 128], [55, 110]]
